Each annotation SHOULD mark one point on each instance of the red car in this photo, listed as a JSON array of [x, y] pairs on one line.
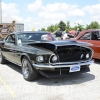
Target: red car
[[93, 37]]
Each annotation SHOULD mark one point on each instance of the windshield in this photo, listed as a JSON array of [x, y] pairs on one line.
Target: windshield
[[32, 37]]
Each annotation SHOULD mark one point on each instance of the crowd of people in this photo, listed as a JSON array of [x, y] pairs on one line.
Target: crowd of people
[[62, 35]]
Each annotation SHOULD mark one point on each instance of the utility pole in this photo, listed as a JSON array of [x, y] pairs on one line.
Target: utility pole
[[0, 12]]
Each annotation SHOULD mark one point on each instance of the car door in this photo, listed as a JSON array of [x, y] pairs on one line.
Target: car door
[[86, 37], [18, 48], [8, 48], [96, 43]]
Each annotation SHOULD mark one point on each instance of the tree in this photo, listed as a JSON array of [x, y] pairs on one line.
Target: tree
[[43, 29], [68, 27], [51, 28], [56, 26], [93, 25], [62, 26]]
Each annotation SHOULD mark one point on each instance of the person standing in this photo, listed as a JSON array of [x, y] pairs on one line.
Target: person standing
[[64, 35], [58, 33], [77, 32]]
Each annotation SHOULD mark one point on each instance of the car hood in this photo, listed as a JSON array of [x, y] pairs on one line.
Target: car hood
[[52, 45], [68, 42]]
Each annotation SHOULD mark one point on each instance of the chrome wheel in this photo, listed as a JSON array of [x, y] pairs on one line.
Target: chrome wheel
[[28, 71], [25, 68]]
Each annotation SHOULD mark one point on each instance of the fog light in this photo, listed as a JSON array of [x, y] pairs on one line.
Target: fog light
[[54, 58], [39, 59], [87, 56]]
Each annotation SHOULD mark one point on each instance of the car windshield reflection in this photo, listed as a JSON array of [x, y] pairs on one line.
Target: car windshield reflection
[[34, 37]]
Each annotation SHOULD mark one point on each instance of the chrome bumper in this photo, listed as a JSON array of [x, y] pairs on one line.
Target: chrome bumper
[[52, 67]]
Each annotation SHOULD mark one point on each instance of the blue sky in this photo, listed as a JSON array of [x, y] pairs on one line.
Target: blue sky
[[41, 13]]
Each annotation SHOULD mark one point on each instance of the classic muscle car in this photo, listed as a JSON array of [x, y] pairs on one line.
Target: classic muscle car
[[93, 37], [39, 52]]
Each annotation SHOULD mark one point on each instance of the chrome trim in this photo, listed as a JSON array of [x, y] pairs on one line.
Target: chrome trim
[[96, 46], [50, 58], [41, 66], [70, 62]]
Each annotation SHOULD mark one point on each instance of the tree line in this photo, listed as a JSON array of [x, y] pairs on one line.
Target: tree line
[[66, 26]]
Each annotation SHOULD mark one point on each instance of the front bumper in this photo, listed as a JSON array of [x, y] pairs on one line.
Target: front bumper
[[62, 73], [53, 67]]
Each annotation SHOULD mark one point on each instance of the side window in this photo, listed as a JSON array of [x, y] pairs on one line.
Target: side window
[[95, 35], [10, 39], [86, 36]]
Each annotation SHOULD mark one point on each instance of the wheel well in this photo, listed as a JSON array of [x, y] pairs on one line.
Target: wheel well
[[22, 57], [26, 57]]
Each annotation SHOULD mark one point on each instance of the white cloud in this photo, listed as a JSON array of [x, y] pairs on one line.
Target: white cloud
[[35, 5], [68, 9], [52, 13], [95, 18], [10, 12], [9, 9], [94, 9], [76, 12], [38, 23], [79, 21], [17, 18], [31, 22]]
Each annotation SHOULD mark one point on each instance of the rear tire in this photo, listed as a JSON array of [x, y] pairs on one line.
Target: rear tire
[[28, 71]]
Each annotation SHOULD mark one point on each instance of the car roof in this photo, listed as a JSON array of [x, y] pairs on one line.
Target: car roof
[[90, 30], [29, 32], [33, 32]]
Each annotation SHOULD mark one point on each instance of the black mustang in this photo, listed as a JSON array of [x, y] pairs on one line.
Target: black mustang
[[39, 52]]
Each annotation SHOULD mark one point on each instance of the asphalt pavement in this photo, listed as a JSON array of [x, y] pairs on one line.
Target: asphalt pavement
[[78, 87]]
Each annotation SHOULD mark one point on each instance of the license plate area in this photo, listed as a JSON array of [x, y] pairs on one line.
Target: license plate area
[[74, 68]]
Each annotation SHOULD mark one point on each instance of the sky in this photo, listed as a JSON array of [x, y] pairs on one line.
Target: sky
[[42, 13]]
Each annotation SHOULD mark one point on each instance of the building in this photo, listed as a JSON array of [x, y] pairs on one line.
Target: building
[[18, 26]]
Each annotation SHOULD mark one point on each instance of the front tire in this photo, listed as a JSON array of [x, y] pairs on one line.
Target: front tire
[[28, 71], [2, 59]]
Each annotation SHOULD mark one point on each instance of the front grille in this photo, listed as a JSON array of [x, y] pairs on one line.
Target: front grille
[[73, 53]]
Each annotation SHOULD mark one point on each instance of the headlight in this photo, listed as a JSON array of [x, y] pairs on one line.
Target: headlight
[[87, 56], [39, 59], [54, 58]]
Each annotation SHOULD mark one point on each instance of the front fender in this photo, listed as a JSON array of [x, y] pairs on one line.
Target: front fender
[[24, 55]]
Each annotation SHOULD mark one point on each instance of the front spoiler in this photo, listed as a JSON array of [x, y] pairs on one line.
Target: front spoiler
[[53, 67]]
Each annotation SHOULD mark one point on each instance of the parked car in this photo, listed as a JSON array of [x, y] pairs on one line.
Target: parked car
[[70, 35], [39, 52], [93, 37]]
